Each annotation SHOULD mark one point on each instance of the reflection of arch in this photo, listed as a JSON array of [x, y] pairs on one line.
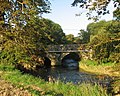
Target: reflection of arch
[[71, 60], [47, 62]]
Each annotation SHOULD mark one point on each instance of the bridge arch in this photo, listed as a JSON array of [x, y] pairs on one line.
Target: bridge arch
[[71, 55], [53, 57], [47, 62], [71, 59]]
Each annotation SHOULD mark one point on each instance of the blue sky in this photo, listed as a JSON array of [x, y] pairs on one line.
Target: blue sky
[[65, 15]]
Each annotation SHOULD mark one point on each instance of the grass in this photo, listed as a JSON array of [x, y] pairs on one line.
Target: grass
[[95, 63], [109, 69], [101, 69], [38, 87]]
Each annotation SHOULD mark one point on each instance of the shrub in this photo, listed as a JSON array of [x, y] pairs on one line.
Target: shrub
[[107, 52]]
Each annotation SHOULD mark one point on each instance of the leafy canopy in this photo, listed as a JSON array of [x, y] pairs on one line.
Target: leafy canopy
[[97, 6]]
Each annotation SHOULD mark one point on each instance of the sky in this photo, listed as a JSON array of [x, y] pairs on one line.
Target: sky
[[64, 14]]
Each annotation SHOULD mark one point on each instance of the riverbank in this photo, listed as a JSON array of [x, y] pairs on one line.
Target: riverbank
[[38, 87], [102, 69]]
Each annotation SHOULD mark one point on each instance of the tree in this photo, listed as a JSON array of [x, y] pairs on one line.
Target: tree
[[84, 36], [98, 6], [94, 28], [77, 40], [70, 38], [18, 12], [53, 33], [113, 27], [116, 14], [19, 42], [98, 32], [103, 31], [104, 37]]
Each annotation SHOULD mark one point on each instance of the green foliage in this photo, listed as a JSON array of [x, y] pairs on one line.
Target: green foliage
[[104, 38], [107, 51], [12, 53], [116, 83], [50, 32], [19, 12], [97, 8], [4, 4], [89, 62], [113, 27], [84, 36], [98, 27], [70, 38], [19, 42], [117, 67], [98, 32], [116, 14], [95, 63], [19, 45], [4, 67], [115, 57]]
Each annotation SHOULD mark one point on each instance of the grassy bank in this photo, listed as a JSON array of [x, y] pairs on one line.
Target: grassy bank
[[100, 69], [39, 87]]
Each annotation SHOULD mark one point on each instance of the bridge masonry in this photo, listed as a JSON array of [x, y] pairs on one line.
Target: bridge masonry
[[56, 53]]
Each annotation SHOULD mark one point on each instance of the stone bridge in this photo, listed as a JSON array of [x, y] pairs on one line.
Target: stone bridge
[[56, 54]]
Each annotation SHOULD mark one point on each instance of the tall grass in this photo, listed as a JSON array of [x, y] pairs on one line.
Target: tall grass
[[39, 87], [95, 63]]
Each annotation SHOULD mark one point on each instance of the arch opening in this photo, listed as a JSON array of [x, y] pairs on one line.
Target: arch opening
[[47, 62], [71, 61]]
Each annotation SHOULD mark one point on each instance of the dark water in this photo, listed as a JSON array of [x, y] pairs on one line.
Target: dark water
[[73, 76]]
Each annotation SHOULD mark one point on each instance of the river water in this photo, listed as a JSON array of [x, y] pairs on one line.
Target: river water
[[73, 76]]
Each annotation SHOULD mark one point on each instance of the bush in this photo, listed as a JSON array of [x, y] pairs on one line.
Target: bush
[[107, 52], [114, 57], [12, 53]]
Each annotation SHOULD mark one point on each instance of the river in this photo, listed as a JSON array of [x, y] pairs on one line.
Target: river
[[74, 76]]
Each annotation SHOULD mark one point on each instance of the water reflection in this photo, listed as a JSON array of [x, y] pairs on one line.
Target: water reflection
[[67, 75], [70, 64]]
